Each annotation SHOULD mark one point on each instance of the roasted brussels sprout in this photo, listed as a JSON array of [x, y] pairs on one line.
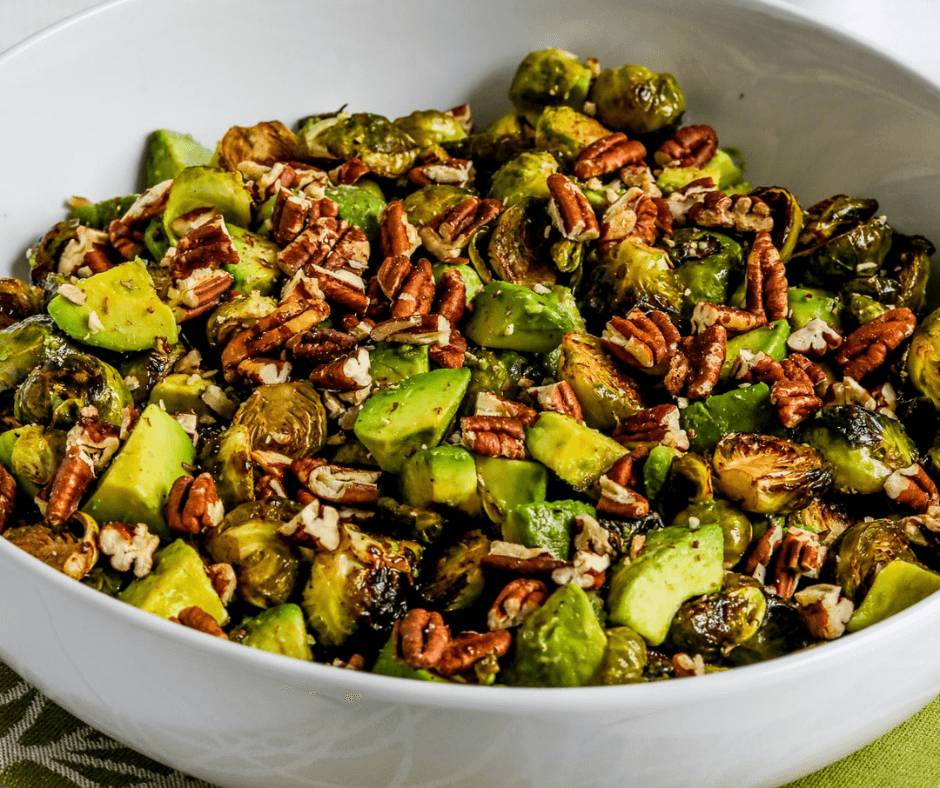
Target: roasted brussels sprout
[[429, 202], [565, 132], [636, 100], [384, 147], [100, 214], [769, 475], [515, 244], [236, 315], [24, 346], [18, 300], [864, 550], [54, 393], [735, 525], [834, 216], [74, 556], [910, 265], [503, 372], [625, 274], [455, 580], [143, 371], [263, 143], [431, 127], [704, 263], [502, 139], [284, 417], [525, 175], [923, 358], [624, 658], [264, 560], [860, 251], [862, 446], [363, 583], [549, 77], [44, 257], [781, 633], [408, 522], [825, 518], [228, 458], [33, 455], [787, 216]]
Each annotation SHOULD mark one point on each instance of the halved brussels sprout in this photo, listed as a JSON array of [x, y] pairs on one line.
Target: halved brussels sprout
[[284, 417], [24, 346], [636, 100], [363, 583], [503, 372], [565, 132], [769, 475], [44, 256], [525, 175], [264, 560], [427, 203], [826, 518], [705, 261], [264, 143], [430, 127], [228, 458], [549, 77], [231, 317], [515, 245], [923, 358], [863, 308], [74, 556], [384, 147], [408, 522], [862, 446], [18, 300], [455, 580], [624, 658], [865, 549], [782, 632], [735, 526], [787, 216], [859, 251], [33, 455], [625, 274]]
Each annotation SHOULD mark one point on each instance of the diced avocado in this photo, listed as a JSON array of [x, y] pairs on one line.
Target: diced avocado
[[135, 486], [578, 454], [210, 188], [257, 267], [561, 644], [896, 587], [721, 168], [280, 630], [771, 339], [656, 469], [444, 475], [391, 362], [179, 392], [178, 580], [677, 564], [169, 153], [807, 304], [397, 421], [505, 484], [100, 214], [387, 665], [513, 317], [359, 206], [739, 410], [121, 311], [548, 524], [471, 279]]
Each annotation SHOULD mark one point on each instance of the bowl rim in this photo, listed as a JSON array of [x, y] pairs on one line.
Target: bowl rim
[[628, 698]]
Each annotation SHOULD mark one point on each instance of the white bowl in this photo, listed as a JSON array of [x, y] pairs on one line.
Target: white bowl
[[813, 110]]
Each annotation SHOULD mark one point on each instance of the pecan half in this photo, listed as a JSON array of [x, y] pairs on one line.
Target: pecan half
[[193, 504], [420, 638], [349, 172], [312, 246], [468, 648], [766, 282], [684, 666], [735, 321], [452, 172], [558, 397], [494, 436], [451, 296], [68, 486], [912, 487], [798, 554], [824, 611], [512, 557], [690, 146], [337, 483], [608, 154], [696, 366], [865, 349], [206, 246], [7, 496], [393, 273], [634, 214], [196, 618], [795, 400], [815, 339], [660, 424], [741, 212], [569, 209], [290, 215], [450, 232], [515, 602], [646, 342], [129, 546], [224, 581], [320, 344], [417, 293], [346, 373], [414, 330], [398, 236]]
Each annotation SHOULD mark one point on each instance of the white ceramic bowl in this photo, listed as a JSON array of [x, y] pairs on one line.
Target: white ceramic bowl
[[813, 110]]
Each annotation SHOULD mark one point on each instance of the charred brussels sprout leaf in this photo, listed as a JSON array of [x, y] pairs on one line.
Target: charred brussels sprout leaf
[[502, 372], [384, 148], [284, 417], [502, 139], [781, 633], [769, 475], [865, 549], [143, 371], [363, 583], [74, 556], [249, 540], [863, 447], [834, 216], [826, 518], [33, 455], [625, 274], [911, 269], [264, 143], [228, 458], [408, 522], [549, 77], [100, 214], [636, 100], [455, 580], [787, 217]]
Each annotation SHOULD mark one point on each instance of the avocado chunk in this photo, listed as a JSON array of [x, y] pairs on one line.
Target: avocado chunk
[[179, 392], [280, 630], [135, 486], [578, 454], [896, 587], [359, 206], [807, 304], [739, 410], [178, 580], [206, 188], [561, 644], [547, 524], [391, 362], [444, 475], [513, 317], [120, 310], [677, 564], [471, 279], [505, 484], [257, 266], [169, 153], [771, 340], [656, 469], [398, 421], [100, 214]]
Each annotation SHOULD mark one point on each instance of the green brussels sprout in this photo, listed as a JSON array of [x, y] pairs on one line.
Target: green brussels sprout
[[55, 392], [429, 202], [284, 417], [704, 263], [863, 447], [911, 269], [769, 475], [264, 143], [636, 100], [864, 550], [524, 175], [502, 139], [455, 580], [142, 371], [855, 252], [690, 479], [44, 257], [99, 215], [431, 127], [248, 538], [18, 300], [607, 395], [24, 346], [383, 146], [363, 583], [787, 216], [548, 78], [923, 358], [358, 205], [714, 624], [624, 658], [206, 188], [826, 518], [504, 372], [74, 556], [228, 458], [33, 455], [833, 216], [408, 522], [231, 317], [156, 240], [515, 246], [626, 273], [782, 632], [863, 308], [565, 132], [567, 256], [735, 525]]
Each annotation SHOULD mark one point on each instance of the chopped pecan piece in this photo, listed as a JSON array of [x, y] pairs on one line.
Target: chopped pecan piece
[[196, 618], [608, 154], [417, 293], [129, 546], [633, 215], [336, 483], [824, 611], [912, 487], [349, 172], [263, 371], [490, 404], [86, 253], [735, 321], [207, 246], [346, 373], [127, 233], [316, 525], [641, 177], [345, 287], [558, 397], [815, 339], [587, 570], [449, 233], [696, 366], [659, 424], [312, 246], [420, 638], [414, 330], [7, 496], [193, 504], [766, 282], [798, 554], [199, 293], [224, 581], [290, 216], [453, 172], [398, 235], [451, 355], [741, 212], [644, 341], [617, 499], [515, 602], [684, 666], [468, 648], [762, 552], [569, 209], [494, 436], [866, 348], [690, 146], [512, 557], [68, 486], [321, 344], [452, 296]]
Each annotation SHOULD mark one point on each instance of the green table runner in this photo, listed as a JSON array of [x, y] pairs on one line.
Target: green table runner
[[43, 746]]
